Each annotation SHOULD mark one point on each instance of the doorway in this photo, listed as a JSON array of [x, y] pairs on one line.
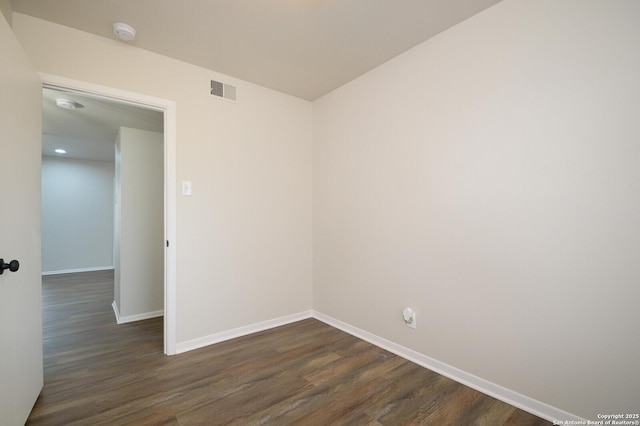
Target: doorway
[[115, 99]]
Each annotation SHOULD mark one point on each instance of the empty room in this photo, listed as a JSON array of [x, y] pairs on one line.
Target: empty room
[[383, 213]]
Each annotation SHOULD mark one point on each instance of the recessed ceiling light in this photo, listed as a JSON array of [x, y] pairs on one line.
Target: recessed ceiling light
[[60, 151], [68, 104], [123, 31]]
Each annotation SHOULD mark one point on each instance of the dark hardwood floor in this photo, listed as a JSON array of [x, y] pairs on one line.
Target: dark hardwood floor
[[306, 373]]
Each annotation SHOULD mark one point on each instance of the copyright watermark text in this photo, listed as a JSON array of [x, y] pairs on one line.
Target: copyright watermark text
[[605, 419]]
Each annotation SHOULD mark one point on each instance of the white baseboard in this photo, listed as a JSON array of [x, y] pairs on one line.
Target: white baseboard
[[516, 399], [72, 271], [501, 393], [116, 311], [131, 318], [240, 331]]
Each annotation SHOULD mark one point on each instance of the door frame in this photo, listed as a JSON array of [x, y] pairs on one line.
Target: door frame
[[168, 107]]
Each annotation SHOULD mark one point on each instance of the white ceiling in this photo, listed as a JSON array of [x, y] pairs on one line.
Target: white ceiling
[[89, 133], [305, 48]]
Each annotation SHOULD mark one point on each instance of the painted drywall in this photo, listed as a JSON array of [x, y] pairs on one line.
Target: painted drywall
[[489, 179], [139, 217], [485, 178], [7, 10], [244, 236], [77, 214]]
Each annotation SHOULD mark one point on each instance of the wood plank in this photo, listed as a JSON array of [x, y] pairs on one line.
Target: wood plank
[[306, 373]]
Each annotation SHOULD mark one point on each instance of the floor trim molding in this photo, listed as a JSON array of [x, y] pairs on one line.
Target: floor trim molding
[[132, 318], [240, 331], [73, 271], [516, 399], [501, 393]]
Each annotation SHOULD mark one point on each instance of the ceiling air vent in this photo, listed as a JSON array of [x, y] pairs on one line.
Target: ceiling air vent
[[222, 90]]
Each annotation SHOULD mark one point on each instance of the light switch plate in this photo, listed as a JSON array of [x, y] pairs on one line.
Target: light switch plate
[[186, 187]]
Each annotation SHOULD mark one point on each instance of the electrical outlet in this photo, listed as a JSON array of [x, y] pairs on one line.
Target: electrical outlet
[[409, 317]]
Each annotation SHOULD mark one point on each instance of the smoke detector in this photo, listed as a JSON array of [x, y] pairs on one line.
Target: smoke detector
[[124, 32]]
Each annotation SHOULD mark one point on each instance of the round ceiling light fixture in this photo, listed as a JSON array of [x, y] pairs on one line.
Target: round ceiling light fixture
[[124, 32], [68, 103]]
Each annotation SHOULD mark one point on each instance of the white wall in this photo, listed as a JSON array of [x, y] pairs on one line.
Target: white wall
[[77, 214], [244, 236], [6, 10], [485, 178], [489, 179], [139, 217]]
